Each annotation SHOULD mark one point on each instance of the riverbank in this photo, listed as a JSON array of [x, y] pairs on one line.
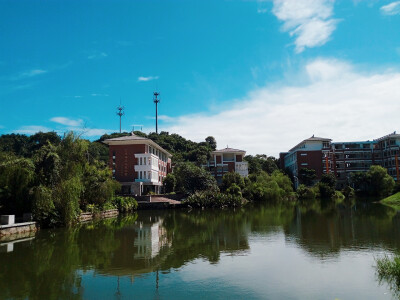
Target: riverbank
[[392, 201]]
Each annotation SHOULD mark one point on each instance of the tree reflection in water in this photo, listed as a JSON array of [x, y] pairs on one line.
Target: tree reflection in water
[[52, 264]]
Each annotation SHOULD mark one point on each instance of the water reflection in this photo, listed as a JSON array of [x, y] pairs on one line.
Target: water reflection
[[58, 263]]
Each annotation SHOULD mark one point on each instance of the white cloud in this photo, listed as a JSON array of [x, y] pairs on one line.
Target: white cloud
[[262, 10], [32, 129], [391, 8], [308, 20], [97, 55], [142, 78], [28, 74], [67, 122], [99, 95], [34, 72], [337, 102]]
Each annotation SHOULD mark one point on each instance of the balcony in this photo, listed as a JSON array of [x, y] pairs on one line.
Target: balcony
[[242, 168]]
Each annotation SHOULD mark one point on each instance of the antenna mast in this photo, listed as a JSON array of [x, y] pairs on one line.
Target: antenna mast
[[156, 101], [120, 113]]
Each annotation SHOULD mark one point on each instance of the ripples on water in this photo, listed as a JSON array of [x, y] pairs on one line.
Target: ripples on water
[[258, 252]]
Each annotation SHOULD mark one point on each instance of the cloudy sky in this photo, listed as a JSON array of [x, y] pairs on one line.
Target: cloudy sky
[[256, 75]]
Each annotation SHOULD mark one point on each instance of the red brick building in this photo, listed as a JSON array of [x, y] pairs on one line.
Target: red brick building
[[138, 163]]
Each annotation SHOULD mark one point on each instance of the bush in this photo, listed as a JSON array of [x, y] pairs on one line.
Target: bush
[[231, 178], [190, 178], [214, 199], [234, 189], [305, 193], [125, 204], [264, 187], [169, 183], [348, 192]]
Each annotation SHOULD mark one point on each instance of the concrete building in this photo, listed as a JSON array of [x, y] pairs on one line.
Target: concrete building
[[343, 158], [227, 160], [309, 154], [138, 163]]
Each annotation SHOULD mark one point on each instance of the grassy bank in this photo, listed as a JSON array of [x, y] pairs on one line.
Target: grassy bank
[[392, 201]]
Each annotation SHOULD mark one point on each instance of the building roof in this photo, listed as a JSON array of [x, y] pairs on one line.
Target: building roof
[[135, 139], [311, 139], [390, 135], [126, 138], [229, 150]]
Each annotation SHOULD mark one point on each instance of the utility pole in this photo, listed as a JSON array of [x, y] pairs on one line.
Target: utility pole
[[120, 113], [156, 101]]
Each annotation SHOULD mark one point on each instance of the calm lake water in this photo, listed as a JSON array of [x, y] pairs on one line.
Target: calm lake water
[[258, 252]]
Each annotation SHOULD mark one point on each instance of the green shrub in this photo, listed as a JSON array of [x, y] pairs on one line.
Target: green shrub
[[169, 183], [125, 204], [214, 199], [348, 192], [231, 178], [234, 189], [305, 193]]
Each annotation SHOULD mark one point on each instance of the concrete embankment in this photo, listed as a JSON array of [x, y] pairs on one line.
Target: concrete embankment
[[159, 202]]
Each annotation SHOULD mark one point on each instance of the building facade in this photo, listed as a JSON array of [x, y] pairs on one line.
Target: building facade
[[227, 160], [138, 163], [343, 158]]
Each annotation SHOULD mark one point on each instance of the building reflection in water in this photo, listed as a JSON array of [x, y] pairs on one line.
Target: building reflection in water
[[150, 238]]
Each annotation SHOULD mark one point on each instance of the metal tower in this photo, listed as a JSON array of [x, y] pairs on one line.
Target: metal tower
[[156, 101], [120, 113]]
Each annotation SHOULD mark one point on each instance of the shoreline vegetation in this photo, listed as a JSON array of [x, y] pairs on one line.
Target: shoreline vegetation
[[392, 201], [59, 178]]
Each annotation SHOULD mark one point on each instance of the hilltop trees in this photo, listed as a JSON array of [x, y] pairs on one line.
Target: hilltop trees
[[261, 162]]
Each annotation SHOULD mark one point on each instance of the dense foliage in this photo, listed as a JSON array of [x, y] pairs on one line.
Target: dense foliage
[[214, 199], [268, 187], [375, 182], [307, 176], [191, 178], [261, 162], [53, 178], [125, 204]]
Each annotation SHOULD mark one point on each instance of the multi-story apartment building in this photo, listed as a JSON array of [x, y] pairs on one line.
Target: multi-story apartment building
[[343, 158], [387, 153], [138, 163], [227, 160], [349, 157], [307, 154]]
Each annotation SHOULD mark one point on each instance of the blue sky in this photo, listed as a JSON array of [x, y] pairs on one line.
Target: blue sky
[[257, 75]]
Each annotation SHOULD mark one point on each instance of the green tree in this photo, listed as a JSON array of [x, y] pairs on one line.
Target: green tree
[[16, 181], [191, 178], [380, 182], [327, 186], [307, 176], [210, 140], [231, 178], [261, 162], [169, 183]]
